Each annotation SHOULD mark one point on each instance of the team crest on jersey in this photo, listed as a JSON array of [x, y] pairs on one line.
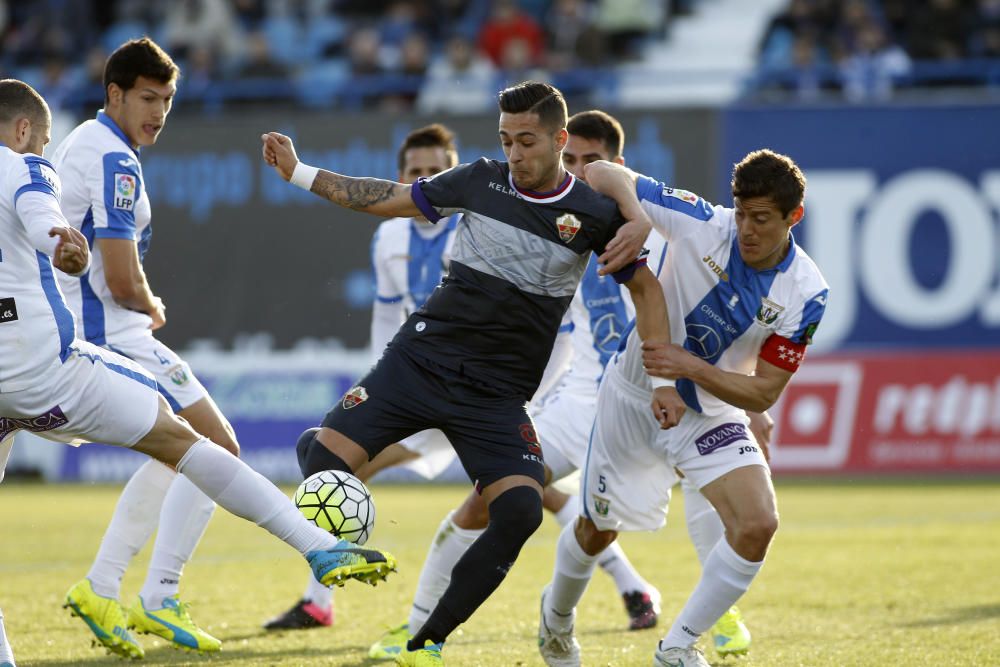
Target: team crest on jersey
[[768, 311], [124, 191], [601, 505], [568, 225], [356, 396], [178, 375], [683, 195]]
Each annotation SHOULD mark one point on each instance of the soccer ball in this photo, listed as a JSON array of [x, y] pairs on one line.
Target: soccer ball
[[337, 502]]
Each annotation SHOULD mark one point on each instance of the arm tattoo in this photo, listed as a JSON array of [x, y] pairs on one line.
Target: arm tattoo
[[356, 193]]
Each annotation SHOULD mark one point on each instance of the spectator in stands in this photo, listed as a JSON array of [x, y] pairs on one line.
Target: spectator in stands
[[936, 31], [984, 30], [259, 62], [506, 23], [572, 37], [871, 71], [460, 82], [203, 23], [627, 24]]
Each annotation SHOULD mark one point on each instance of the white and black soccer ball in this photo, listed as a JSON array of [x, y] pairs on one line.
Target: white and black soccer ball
[[338, 502]]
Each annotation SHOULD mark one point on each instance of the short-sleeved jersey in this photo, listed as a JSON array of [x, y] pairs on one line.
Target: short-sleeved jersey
[[408, 261], [105, 198], [36, 327], [721, 309], [516, 262]]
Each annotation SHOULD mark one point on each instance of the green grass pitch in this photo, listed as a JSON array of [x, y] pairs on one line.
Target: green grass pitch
[[861, 574]]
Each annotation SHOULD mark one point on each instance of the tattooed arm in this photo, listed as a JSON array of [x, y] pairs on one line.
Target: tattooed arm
[[370, 195]]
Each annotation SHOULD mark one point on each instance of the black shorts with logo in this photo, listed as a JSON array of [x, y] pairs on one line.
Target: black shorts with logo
[[492, 434]]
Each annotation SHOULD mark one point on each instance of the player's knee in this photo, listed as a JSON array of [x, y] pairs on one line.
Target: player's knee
[[759, 529], [592, 539], [472, 514], [516, 513], [314, 457]]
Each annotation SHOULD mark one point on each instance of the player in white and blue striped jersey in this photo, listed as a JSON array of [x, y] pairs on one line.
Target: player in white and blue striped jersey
[[69, 390], [106, 198], [744, 301]]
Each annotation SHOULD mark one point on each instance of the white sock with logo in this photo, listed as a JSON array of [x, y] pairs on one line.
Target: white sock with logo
[[6, 652], [238, 489], [703, 523], [725, 577], [131, 526], [573, 569], [183, 519], [448, 545]]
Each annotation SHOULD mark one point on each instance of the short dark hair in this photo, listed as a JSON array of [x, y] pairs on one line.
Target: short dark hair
[[599, 126], [135, 58], [435, 135], [764, 173], [18, 99], [538, 98]]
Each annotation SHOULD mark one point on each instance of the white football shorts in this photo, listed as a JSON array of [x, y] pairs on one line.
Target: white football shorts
[[563, 422], [173, 375], [94, 396], [436, 452], [631, 462]]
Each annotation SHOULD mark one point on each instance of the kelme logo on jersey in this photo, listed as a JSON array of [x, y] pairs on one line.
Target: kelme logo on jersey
[[568, 226], [601, 505], [49, 174], [356, 396], [124, 191], [768, 311]]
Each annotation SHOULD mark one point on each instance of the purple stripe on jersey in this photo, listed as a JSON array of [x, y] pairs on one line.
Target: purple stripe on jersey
[[622, 276], [420, 199]]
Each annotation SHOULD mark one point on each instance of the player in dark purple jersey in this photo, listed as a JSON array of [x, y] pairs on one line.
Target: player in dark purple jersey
[[468, 361]]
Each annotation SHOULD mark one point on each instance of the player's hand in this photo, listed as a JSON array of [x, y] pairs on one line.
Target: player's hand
[[623, 249], [762, 426], [667, 360], [668, 407], [279, 152], [158, 314], [72, 252]]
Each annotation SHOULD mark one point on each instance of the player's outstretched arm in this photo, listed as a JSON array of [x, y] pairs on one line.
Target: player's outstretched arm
[[370, 195], [617, 182], [652, 322], [756, 392]]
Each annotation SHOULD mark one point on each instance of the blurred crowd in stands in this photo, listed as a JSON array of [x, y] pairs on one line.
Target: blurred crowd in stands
[[868, 49], [453, 55], [450, 55]]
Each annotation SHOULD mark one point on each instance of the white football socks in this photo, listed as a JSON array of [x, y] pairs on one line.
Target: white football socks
[[318, 594], [447, 547], [237, 488], [573, 570], [612, 560], [6, 652], [183, 519], [132, 523], [725, 577], [703, 523]]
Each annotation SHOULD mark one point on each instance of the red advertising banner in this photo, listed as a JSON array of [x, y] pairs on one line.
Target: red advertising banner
[[899, 412]]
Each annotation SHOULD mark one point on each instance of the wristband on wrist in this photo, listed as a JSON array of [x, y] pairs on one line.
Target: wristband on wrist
[[303, 175], [658, 382]]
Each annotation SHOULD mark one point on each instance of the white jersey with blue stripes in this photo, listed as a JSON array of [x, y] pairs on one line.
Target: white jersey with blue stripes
[[105, 198], [721, 309], [599, 315], [409, 257], [36, 327]]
